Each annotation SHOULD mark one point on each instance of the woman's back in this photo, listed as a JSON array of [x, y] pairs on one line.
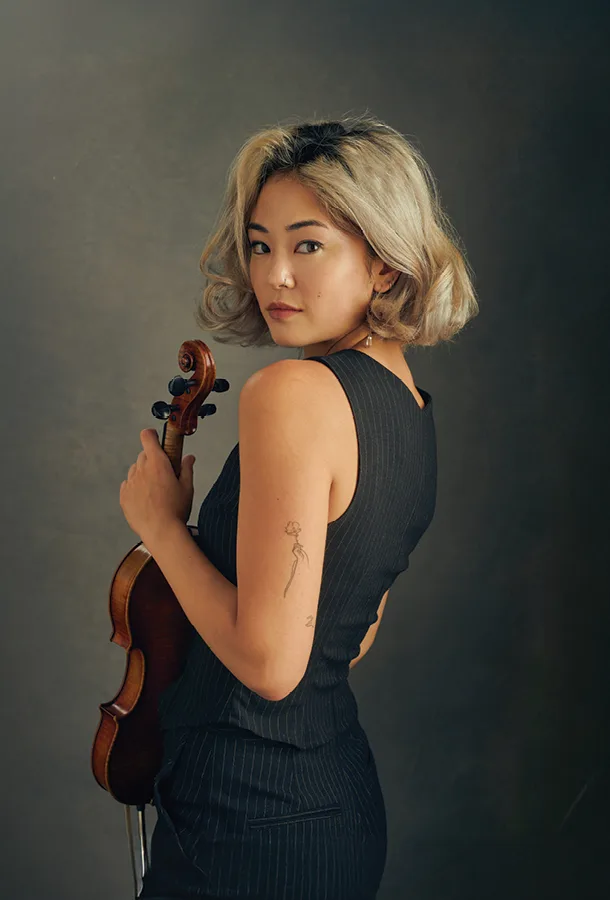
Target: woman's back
[[367, 546]]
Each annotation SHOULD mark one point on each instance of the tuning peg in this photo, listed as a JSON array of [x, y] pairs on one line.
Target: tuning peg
[[162, 410], [208, 409], [178, 385]]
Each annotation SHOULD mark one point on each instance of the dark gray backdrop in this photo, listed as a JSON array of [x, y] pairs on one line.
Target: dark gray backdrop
[[119, 120]]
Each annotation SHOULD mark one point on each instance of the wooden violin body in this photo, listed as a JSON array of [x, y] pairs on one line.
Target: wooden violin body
[[151, 626], [147, 619]]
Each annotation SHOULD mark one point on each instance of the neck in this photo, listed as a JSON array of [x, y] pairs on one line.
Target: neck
[[342, 343]]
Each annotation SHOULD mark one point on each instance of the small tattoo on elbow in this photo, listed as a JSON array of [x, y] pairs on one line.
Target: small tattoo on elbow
[[298, 551], [309, 623]]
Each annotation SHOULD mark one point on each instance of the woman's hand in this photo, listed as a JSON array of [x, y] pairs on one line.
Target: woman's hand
[[152, 496]]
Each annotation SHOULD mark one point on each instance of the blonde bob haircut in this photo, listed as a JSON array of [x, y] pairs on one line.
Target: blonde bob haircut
[[371, 182]]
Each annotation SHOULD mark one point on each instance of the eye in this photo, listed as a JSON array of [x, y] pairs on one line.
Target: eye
[[317, 243], [254, 244]]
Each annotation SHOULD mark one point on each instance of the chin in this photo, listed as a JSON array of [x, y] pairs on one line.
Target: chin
[[286, 342]]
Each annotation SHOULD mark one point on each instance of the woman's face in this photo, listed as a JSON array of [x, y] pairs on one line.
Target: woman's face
[[323, 270]]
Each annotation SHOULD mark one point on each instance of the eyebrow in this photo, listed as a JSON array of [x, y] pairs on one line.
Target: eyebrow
[[254, 226]]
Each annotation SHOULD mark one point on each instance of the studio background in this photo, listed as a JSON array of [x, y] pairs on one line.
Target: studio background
[[486, 694]]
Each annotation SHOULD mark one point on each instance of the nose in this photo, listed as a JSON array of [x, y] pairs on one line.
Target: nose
[[279, 275]]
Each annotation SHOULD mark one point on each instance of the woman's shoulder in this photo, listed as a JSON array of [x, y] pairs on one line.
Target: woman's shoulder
[[285, 371], [296, 382], [298, 393]]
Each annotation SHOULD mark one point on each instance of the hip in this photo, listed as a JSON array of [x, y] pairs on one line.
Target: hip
[[248, 779], [225, 793]]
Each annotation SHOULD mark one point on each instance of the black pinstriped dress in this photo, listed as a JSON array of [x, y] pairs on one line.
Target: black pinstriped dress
[[270, 800]]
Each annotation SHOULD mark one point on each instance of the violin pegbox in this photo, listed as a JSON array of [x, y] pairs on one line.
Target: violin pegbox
[[180, 416]]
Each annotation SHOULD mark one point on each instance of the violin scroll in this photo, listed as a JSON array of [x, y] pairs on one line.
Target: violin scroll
[[180, 416]]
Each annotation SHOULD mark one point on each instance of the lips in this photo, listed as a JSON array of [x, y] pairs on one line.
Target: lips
[[281, 306]]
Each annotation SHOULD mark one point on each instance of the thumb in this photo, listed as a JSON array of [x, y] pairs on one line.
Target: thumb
[[186, 470]]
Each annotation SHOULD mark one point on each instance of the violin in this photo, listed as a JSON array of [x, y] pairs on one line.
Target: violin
[[148, 621]]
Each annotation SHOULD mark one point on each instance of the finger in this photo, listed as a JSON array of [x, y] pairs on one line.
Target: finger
[[149, 437]]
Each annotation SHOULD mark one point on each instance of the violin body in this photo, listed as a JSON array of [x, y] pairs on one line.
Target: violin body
[[151, 626], [147, 619]]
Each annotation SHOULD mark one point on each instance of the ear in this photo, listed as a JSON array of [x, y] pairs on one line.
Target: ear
[[384, 276]]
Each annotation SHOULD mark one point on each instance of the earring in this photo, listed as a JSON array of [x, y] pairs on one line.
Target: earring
[[369, 338]]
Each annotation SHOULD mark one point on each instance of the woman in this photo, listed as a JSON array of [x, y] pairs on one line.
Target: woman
[[268, 787]]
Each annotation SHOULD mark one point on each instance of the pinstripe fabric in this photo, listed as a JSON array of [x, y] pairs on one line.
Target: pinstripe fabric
[[243, 816], [366, 548], [280, 800]]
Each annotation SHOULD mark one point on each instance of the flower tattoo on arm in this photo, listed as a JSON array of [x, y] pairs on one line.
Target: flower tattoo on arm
[[298, 551]]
